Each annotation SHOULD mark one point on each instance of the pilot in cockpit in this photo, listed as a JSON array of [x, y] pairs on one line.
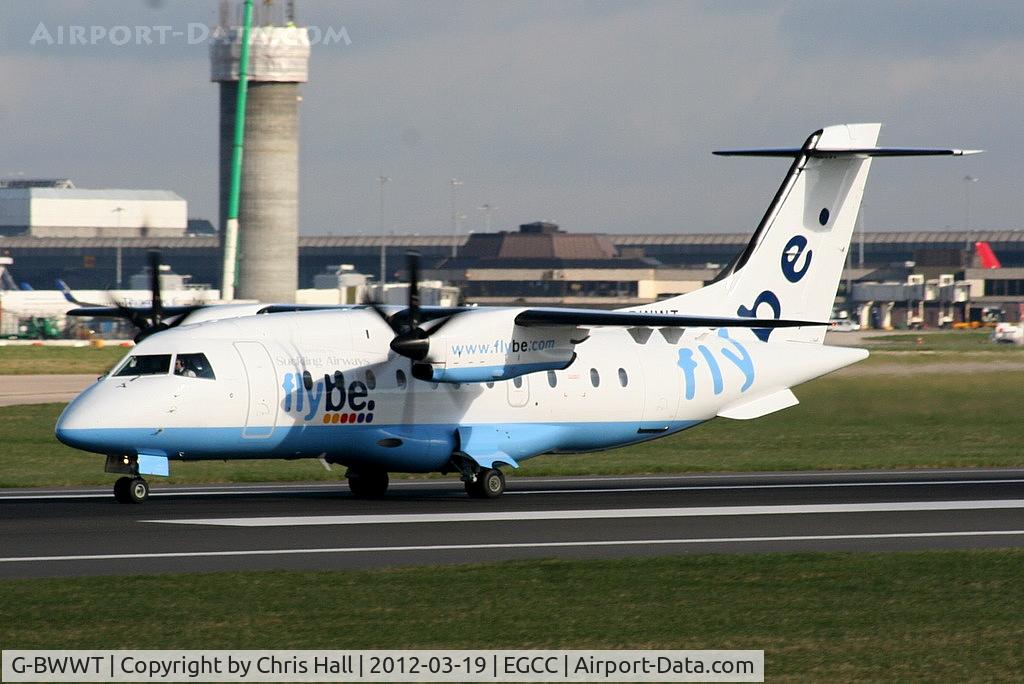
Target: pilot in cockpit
[[181, 368]]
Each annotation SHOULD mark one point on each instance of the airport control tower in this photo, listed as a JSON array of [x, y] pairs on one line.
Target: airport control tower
[[269, 204]]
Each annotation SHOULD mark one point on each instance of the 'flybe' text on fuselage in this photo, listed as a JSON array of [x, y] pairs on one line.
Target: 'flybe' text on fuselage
[[339, 401]]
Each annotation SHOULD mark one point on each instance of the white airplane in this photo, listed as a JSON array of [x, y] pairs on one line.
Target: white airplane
[[469, 390]]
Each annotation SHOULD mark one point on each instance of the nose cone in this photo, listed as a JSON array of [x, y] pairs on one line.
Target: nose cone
[[76, 426]]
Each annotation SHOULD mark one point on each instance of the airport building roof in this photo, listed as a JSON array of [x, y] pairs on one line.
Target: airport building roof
[[933, 237]]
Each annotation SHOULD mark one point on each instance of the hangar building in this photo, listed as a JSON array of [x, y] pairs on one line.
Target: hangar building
[[57, 209]]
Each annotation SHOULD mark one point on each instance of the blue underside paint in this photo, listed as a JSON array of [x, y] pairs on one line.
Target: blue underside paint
[[423, 448], [491, 373]]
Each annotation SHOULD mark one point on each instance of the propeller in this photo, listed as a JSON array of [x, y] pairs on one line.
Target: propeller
[[412, 334], [148, 320]]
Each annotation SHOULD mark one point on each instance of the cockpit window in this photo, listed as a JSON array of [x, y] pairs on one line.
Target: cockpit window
[[193, 366], [152, 364]]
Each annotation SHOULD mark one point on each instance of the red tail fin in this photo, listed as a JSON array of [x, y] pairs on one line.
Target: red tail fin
[[988, 257]]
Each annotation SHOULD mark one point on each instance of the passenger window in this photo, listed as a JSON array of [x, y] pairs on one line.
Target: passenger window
[[400, 378], [152, 364], [371, 380], [552, 378], [595, 377], [193, 366], [623, 378]]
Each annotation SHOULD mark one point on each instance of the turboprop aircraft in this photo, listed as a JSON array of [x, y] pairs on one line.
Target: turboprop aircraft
[[471, 390]]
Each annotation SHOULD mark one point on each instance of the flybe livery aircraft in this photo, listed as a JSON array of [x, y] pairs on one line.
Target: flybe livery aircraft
[[472, 389]]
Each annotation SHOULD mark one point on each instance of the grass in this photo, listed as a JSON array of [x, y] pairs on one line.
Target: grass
[[878, 421], [39, 360], [940, 616], [943, 340]]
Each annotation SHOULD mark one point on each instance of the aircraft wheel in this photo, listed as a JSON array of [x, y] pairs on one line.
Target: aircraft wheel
[[138, 490], [121, 488], [489, 484], [368, 484]]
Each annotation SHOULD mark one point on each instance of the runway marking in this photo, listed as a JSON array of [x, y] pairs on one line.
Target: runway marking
[[616, 513], [523, 545], [793, 485], [278, 489]]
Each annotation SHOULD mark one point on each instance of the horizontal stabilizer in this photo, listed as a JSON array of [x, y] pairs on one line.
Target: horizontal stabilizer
[[795, 152], [747, 409]]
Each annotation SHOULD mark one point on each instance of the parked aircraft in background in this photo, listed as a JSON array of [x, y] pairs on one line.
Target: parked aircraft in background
[[471, 390]]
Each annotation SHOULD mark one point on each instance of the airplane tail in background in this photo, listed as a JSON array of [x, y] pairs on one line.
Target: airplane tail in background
[[792, 265], [986, 255]]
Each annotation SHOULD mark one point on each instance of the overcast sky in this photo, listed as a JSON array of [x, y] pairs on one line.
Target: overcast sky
[[600, 116]]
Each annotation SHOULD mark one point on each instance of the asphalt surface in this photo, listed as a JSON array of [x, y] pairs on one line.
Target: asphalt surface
[[317, 526], [41, 389]]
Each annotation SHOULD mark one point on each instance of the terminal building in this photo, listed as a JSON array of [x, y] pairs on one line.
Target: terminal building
[[930, 277]]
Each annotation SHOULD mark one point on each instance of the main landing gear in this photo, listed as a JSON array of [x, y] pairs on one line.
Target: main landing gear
[[489, 483], [131, 490], [367, 484]]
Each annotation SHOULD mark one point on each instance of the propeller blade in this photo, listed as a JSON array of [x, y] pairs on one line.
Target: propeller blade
[[154, 283], [378, 308], [413, 263]]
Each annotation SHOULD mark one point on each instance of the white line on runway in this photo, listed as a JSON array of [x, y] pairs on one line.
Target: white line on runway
[[615, 513], [793, 485], [526, 545], [279, 489]]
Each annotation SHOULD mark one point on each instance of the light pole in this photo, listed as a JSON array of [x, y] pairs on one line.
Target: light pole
[[117, 238], [456, 184], [383, 180], [968, 181], [488, 209]]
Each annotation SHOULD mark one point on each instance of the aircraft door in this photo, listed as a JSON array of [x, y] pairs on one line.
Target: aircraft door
[[518, 391], [661, 388], [261, 417]]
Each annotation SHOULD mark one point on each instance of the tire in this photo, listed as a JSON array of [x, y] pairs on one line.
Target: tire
[[121, 488], [138, 490], [489, 484], [368, 484]]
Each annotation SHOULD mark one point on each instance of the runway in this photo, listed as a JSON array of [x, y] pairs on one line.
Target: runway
[[320, 526], [16, 390]]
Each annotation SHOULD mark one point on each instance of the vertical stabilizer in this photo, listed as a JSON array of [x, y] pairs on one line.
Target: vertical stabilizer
[[792, 265]]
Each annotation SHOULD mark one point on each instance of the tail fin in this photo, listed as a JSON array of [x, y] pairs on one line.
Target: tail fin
[[987, 256], [792, 264]]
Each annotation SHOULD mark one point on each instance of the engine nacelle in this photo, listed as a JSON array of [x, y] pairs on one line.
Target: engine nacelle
[[486, 345]]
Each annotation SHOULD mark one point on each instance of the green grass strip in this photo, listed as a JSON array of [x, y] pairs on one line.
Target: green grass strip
[[939, 616]]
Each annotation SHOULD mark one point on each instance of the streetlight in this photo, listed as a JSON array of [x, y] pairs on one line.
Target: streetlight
[[117, 237], [456, 184], [968, 181], [488, 209], [382, 179]]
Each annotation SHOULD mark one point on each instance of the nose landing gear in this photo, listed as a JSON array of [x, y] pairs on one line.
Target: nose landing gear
[[131, 490]]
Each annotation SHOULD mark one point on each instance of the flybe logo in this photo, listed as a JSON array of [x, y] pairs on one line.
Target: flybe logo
[[794, 264], [738, 356], [340, 401]]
